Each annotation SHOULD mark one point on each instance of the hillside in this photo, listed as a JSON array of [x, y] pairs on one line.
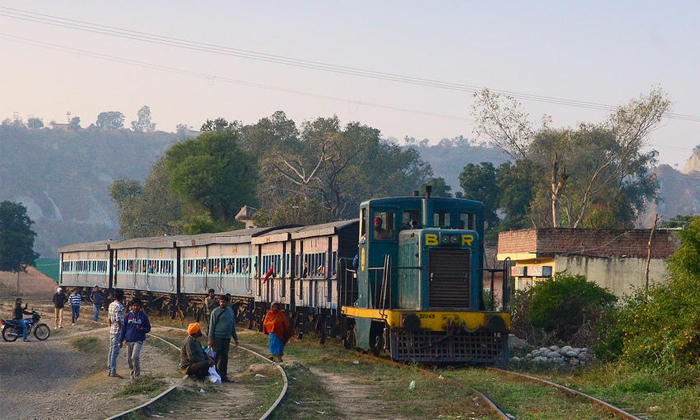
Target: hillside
[[62, 177], [679, 192], [449, 157]]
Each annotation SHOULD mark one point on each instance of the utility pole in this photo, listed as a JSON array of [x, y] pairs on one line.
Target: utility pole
[[651, 237]]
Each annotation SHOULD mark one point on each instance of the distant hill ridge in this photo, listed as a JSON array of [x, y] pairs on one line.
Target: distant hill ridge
[[679, 192], [62, 178]]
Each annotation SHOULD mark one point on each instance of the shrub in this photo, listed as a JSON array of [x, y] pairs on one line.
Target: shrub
[[561, 309], [660, 327]]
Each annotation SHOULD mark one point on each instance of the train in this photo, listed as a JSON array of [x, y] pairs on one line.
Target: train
[[404, 279]]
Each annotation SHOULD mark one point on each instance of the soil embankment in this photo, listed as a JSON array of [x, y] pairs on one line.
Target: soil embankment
[[33, 282]]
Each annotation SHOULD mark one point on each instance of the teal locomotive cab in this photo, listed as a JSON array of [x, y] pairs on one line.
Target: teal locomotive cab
[[405, 241], [419, 283]]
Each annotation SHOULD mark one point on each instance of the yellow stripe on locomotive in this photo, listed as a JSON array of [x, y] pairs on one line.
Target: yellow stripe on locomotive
[[441, 321]]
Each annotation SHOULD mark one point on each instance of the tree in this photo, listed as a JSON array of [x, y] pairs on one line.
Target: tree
[[143, 122], [293, 210], [110, 120], [517, 183], [585, 166], [439, 187], [16, 238], [219, 124], [148, 210], [35, 123], [182, 130], [212, 175], [74, 123], [479, 183], [337, 167]]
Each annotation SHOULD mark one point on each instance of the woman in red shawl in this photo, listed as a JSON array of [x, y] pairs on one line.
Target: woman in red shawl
[[277, 326]]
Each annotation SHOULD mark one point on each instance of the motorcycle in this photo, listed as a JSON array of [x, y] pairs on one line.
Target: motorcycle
[[11, 330]]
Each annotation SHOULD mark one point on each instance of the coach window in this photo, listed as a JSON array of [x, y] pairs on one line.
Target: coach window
[[467, 221], [441, 219], [383, 225], [363, 225], [411, 219]]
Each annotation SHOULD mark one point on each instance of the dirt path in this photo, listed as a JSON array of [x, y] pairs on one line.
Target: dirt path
[[51, 379]]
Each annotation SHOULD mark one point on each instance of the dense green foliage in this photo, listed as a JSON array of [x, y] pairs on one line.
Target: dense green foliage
[[16, 238], [148, 210], [661, 326], [560, 308], [313, 175], [479, 183], [213, 177]]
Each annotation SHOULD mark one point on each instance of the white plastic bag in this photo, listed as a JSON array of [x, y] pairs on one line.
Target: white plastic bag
[[213, 376]]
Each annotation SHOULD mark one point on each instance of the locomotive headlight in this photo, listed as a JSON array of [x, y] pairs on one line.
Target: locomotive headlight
[[450, 239]]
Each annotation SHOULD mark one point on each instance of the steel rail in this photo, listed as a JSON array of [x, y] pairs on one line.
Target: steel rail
[[618, 412], [265, 416], [426, 372]]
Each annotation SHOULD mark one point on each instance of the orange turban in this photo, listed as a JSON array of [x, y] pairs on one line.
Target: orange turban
[[193, 328]]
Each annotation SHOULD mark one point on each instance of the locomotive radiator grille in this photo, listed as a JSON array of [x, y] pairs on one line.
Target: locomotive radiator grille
[[479, 347], [449, 278]]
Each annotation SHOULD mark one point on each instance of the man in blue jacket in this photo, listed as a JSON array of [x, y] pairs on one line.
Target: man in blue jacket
[[136, 326], [222, 326]]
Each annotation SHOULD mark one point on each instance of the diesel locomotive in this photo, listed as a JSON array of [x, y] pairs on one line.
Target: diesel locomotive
[[405, 279]]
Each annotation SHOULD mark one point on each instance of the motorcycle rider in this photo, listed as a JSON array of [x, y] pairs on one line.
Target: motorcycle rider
[[18, 312]]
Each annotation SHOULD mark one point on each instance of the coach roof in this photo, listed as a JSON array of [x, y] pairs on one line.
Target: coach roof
[[89, 246], [325, 229]]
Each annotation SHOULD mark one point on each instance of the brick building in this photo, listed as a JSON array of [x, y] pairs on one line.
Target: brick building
[[615, 259]]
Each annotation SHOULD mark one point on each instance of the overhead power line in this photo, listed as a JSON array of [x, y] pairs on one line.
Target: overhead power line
[[175, 70], [57, 21]]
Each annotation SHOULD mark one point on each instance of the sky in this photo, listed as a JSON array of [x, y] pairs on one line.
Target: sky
[[227, 59]]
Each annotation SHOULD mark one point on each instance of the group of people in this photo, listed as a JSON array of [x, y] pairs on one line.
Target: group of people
[[75, 299], [194, 360], [131, 328]]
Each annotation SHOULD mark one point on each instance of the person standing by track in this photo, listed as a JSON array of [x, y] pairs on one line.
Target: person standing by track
[[222, 326], [136, 326], [75, 300], [59, 301], [97, 297], [116, 320], [278, 327], [210, 303]]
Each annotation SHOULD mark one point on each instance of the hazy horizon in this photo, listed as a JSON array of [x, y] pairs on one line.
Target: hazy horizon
[[233, 67]]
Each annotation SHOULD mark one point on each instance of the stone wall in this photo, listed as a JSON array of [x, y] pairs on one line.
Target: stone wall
[[619, 275]]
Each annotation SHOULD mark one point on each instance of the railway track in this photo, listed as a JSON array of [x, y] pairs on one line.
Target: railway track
[[498, 411], [164, 394], [607, 407]]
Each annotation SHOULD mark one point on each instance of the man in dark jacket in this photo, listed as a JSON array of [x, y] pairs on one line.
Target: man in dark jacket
[[59, 301], [136, 326], [18, 315], [193, 360], [97, 297], [222, 326]]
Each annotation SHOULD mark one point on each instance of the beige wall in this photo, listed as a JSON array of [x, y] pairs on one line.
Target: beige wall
[[619, 275]]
